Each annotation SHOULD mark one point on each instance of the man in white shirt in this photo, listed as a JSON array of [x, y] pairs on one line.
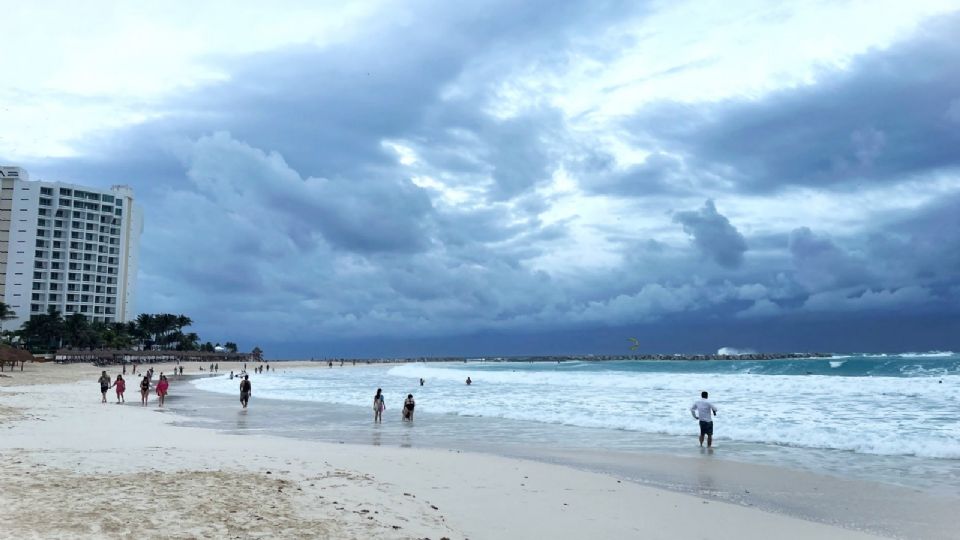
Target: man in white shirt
[[704, 411]]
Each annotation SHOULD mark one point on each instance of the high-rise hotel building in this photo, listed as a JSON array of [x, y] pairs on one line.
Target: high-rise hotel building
[[67, 246]]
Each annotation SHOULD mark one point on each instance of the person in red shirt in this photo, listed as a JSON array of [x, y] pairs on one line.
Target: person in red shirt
[[162, 386], [120, 385]]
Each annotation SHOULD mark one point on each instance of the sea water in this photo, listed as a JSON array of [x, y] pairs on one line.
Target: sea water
[[891, 418]]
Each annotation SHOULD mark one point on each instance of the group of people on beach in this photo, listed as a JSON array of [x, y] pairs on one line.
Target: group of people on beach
[[162, 387], [380, 405], [702, 410]]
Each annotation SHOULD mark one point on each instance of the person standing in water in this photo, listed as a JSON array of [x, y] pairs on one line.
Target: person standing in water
[[121, 386], [469, 382], [408, 406], [104, 386], [704, 411], [162, 386], [245, 390], [378, 406]]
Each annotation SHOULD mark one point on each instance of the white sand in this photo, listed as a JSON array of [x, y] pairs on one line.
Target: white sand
[[71, 467]]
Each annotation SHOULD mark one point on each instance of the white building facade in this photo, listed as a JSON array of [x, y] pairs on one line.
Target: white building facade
[[71, 247]]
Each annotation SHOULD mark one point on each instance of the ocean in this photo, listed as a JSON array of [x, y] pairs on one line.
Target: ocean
[[887, 418]]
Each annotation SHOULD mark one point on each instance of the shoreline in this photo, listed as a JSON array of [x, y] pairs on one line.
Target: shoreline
[[68, 442], [725, 475]]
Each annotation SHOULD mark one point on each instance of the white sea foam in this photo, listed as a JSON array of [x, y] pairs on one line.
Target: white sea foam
[[930, 354], [734, 351], [874, 415], [837, 363]]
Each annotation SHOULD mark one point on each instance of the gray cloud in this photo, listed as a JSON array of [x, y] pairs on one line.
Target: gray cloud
[[820, 264], [276, 207], [884, 117], [714, 235]]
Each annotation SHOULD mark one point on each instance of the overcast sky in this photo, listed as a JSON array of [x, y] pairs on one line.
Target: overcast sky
[[432, 178]]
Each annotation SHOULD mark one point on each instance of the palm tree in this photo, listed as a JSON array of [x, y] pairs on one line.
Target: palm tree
[[76, 330], [44, 331], [146, 325], [183, 321], [6, 314]]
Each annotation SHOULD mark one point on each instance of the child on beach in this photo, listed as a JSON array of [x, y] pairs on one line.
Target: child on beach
[[378, 406], [104, 386], [121, 385], [144, 390], [162, 386]]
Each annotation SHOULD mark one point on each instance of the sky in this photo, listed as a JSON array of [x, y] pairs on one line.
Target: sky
[[508, 178]]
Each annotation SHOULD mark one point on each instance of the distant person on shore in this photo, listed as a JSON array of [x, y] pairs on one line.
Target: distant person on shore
[[421, 381], [378, 406], [408, 406], [231, 375], [704, 411], [162, 386], [124, 369], [469, 382], [144, 390], [104, 386], [245, 390], [121, 386], [181, 370]]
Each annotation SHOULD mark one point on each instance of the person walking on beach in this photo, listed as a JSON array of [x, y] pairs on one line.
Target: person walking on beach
[[104, 386], [144, 390], [245, 391], [121, 386], [704, 411], [162, 386], [408, 406], [421, 381], [378, 406]]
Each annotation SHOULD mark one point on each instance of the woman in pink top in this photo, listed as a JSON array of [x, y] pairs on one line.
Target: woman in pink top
[[162, 386], [121, 385]]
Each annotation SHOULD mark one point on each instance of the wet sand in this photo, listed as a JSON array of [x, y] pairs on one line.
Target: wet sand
[[126, 471]]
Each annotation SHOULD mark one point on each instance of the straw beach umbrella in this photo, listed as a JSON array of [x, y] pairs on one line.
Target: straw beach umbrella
[[13, 355]]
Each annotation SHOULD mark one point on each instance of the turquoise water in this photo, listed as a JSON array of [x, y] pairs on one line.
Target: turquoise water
[[890, 418]]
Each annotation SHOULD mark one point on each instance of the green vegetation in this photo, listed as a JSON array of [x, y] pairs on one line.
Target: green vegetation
[[51, 331]]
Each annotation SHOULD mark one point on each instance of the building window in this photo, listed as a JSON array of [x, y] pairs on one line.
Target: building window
[[45, 201], [46, 191]]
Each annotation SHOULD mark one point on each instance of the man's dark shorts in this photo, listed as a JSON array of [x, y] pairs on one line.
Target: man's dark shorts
[[706, 428]]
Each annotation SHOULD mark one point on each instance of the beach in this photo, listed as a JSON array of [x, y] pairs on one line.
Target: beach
[[76, 468]]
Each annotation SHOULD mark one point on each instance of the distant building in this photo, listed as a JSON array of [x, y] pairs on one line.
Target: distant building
[[67, 246]]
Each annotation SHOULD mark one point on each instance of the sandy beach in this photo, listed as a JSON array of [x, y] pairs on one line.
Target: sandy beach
[[76, 468]]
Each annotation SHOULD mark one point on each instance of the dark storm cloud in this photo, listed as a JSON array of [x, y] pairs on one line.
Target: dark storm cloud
[[714, 235], [886, 116], [277, 207], [820, 264]]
